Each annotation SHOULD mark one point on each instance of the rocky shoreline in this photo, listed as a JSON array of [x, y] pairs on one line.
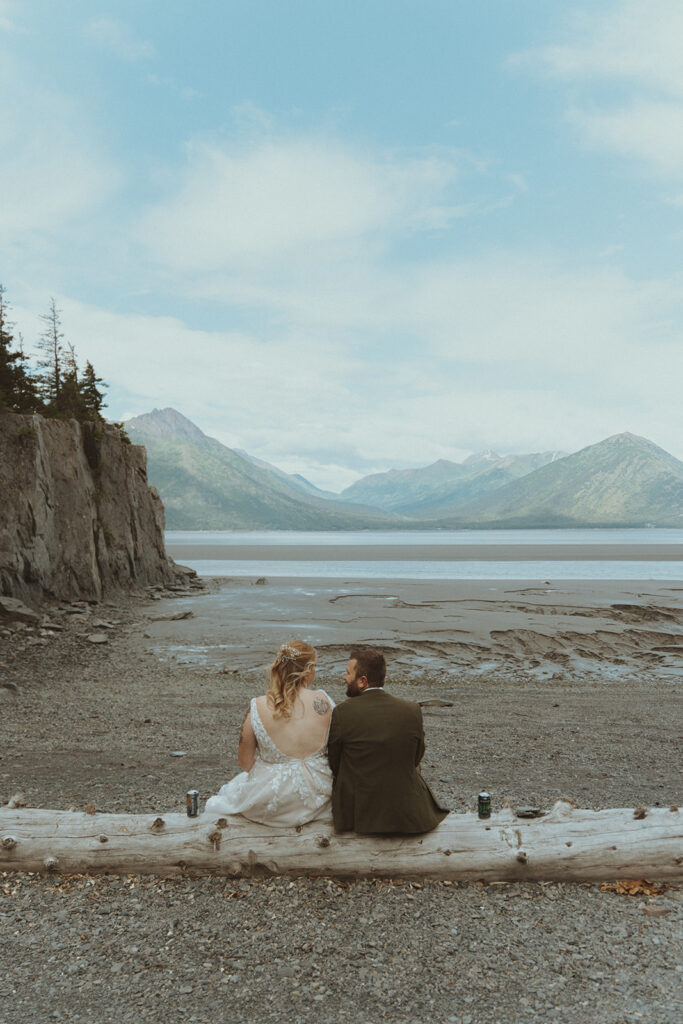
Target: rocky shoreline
[[84, 721]]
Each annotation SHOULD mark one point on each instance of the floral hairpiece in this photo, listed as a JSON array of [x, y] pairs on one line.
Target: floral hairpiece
[[289, 653]]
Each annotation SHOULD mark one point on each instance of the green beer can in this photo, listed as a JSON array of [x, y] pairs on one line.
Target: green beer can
[[484, 805]]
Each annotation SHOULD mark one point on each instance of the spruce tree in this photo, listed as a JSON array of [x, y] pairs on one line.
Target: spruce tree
[[17, 390], [69, 403], [7, 357], [58, 388], [92, 391], [27, 399], [50, 343]]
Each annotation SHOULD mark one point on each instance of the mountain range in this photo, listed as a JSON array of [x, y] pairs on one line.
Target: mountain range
[[624, 480], [205, 485], [443, 487]]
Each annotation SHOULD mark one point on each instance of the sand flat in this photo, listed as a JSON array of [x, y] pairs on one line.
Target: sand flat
[[612, 628]]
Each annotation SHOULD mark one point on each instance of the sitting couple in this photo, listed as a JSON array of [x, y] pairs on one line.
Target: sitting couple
[[300, 753]]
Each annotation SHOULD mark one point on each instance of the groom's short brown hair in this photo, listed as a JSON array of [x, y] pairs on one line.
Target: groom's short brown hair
[[371, 664]]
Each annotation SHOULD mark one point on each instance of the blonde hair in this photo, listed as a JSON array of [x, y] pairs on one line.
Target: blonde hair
[[292, 664]]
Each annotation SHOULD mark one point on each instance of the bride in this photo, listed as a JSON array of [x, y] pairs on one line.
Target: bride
[[283, 748]]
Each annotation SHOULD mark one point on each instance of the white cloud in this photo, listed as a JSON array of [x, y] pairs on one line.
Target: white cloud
[[303, 233], [255, 394], [50, 169], [348, 359], [470, 356], [636, 45], [281, 196], [634, 41], [355, 351], [648, 131], [248, 116], [116, 37], [7, 10], [398, 362], [166, 82], [510, 307], [502, 307]]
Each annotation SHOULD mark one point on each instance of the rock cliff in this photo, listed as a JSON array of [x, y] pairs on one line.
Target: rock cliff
[[78, 518]]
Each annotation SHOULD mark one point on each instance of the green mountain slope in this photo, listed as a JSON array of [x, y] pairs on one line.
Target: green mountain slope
[[292, 478], [205, 485], [398, 488], [440, 489], [624, 480]]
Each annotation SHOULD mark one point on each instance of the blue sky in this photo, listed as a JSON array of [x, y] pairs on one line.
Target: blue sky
[[349, 237]]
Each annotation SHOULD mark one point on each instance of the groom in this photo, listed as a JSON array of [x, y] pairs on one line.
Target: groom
[[375, 745]]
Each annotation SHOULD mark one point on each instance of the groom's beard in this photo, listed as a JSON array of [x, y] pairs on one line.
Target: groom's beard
[[352, 689]]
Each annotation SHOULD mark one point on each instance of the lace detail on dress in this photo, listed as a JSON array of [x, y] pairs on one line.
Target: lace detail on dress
[[279, 789], [267, 749]]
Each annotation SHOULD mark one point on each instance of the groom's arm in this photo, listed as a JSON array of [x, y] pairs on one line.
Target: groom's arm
[[334, 744]]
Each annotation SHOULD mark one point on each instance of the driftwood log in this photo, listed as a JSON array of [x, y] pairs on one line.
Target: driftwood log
[[567, 843]]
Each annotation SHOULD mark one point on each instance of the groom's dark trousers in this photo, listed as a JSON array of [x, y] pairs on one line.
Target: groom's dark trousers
[[375, 745]]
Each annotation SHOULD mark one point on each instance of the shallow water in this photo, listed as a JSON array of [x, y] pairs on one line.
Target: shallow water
[[412, 538], [447, 570], [616, 554]]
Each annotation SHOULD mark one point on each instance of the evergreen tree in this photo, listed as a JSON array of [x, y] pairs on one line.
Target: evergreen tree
[[92, 391], [7, 357], [69, 403], [27, 399], [17, 391], [50, 343], [58, 388]]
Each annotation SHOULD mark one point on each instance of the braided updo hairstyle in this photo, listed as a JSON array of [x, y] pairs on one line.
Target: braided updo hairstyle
[[292, 664]]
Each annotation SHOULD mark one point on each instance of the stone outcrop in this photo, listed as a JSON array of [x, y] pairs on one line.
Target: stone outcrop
[[78, 518]]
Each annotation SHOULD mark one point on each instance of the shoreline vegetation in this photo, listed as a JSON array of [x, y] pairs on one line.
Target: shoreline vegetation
[[55, 387]]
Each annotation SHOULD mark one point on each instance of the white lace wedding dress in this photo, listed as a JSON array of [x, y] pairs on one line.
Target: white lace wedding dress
[[278, 790]]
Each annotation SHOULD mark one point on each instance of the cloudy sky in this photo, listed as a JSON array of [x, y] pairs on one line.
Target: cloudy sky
[[353, 236]]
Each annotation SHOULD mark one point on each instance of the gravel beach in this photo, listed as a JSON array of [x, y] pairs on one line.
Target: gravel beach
[[84, 721]]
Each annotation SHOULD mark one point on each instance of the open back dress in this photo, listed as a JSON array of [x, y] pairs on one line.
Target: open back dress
[[278, 789]]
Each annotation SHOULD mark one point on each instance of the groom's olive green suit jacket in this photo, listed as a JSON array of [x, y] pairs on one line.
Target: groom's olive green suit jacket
[[375, 745]]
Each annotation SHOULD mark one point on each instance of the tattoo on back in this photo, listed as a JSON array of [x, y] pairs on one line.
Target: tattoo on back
[[320, 705]]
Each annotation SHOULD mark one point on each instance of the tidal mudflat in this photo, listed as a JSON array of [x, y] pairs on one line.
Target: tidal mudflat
[[547, 690], [544, 628]]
